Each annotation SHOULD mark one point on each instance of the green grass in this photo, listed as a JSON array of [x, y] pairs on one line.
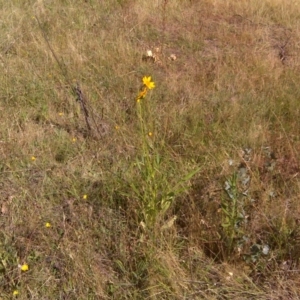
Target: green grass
[[204, 207]]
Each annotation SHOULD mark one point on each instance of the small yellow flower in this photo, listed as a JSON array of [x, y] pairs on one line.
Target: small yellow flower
[[24, 268], [84, 197], [117, 127], [33, 158], [150, 133], [74, 140], [142, 94], [48, 225], [15, 293], [60, 113], [148, 83]]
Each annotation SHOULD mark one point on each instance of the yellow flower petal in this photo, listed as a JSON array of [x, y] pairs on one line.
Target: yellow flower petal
[[148, 83], [24, 267], [142, 94]]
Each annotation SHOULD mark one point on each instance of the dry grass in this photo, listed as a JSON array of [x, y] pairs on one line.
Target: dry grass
[[227, 106]]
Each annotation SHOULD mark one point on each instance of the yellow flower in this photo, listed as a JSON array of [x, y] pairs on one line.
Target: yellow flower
[[150, 133], [60, 113], [24, 267], [33, 158], [15, 293], [148, 83], [73, 140], [142, 94], [48, 225], [84, 197]]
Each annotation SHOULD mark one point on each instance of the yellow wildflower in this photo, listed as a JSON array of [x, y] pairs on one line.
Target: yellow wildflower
[[84, 197], [24, 267], [60, 113], [142, 94], [73, 140], [148, 83], [48, 225], [15, 293], [33, 158], [150, 133]]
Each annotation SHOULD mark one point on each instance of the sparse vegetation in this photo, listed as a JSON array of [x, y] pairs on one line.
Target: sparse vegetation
[[149, 149]]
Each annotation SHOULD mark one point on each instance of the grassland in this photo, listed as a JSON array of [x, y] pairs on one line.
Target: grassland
[[191, 192]]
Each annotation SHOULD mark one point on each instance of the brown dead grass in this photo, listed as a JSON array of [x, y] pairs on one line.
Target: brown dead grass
[[232, 88]]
